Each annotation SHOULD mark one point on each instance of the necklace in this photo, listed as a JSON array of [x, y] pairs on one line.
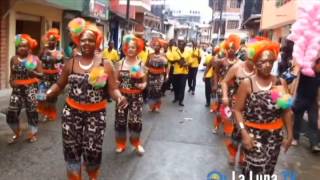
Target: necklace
[[231, 62], [20, 60], [263, 88], [53, 50], [86, 67], [246, 73]]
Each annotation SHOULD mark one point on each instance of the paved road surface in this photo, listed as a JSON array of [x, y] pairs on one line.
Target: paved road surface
[[178, 143]]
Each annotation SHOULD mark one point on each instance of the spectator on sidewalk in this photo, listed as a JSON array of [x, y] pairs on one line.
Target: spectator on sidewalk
[[306, 101]]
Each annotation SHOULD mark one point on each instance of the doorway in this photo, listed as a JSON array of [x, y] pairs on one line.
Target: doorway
[[28, 24]]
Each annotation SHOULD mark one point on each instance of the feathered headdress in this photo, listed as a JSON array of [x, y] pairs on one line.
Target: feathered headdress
[[25, 38], [52, 34], [78, 25], [255, 50], [233, 41], [130, 37]]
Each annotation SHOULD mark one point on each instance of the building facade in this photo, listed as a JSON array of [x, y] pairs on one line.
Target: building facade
[[229, 13], [35, 17], [277, 18], [251, 16]]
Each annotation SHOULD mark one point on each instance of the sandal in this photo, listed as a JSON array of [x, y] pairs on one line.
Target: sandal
[[32, 138], [14, 138]]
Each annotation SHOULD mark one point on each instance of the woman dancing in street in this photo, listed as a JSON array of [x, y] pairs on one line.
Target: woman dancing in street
[[51, 59], [157, 72], [89, 78], [235, 75], [262, 110], [25, 70], [132, 81], [222, 66]]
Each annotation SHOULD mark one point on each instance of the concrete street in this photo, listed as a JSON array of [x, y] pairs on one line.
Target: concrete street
[[178, 143]]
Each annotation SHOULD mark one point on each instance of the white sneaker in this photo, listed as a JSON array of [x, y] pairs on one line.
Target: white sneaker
[[140, 150], [294, 143]]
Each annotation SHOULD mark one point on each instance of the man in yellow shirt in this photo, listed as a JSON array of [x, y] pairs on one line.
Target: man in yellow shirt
[[180, 72], [207, 76], [111, 54], [195, 61], [171, 56]]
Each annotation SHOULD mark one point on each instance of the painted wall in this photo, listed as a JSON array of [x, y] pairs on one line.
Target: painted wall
[[273, 17]]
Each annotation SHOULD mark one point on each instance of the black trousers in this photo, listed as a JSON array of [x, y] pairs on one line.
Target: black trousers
[[179, 86], [192, 78], [207, 83], [301, 106]]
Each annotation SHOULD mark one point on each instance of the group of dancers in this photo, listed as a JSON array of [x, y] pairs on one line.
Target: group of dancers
[[91, 78], [251, 104]]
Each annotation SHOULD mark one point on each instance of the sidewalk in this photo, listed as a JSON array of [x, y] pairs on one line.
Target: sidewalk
[[4, 102]]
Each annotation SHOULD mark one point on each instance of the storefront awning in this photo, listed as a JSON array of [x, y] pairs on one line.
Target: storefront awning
[[253, 19], [121, 17]]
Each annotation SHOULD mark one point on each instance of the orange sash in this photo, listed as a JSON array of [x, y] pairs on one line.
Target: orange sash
[[50, 71], [277, 124], [26, 81], [86, 107], [157, 70], [130, 91]]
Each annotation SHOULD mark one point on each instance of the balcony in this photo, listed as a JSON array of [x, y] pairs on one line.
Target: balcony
[[140, 5]]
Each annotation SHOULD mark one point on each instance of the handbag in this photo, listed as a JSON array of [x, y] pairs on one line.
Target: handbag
[[288, 75]]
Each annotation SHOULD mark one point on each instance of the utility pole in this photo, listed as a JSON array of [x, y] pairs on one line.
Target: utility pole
[[220, 19], [211, 30], [127, 13]]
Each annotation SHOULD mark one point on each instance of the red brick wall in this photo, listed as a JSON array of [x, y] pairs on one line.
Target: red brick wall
[[4, 59]]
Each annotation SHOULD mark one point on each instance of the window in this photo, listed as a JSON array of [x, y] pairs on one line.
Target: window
[[233, 24], [217, 3], [233, 3]]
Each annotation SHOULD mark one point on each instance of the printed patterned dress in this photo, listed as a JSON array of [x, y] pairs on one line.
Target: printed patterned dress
[[156, 75], [51, 62], [23, 96], [130, 116], [83, 130], [263, 157]]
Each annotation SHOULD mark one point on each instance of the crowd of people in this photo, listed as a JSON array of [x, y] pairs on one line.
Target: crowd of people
[[253, 105]]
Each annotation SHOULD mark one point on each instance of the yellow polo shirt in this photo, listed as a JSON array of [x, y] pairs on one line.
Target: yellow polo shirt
[[177, 68], [172, 55], [195, 54], [143, 55], [111, 55], [210, 72]]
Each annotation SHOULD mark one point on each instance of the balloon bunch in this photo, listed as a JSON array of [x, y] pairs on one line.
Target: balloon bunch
[[283, 100], [30, 63], [20, 38], [98, 77], [305, 33], [136, 72]]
